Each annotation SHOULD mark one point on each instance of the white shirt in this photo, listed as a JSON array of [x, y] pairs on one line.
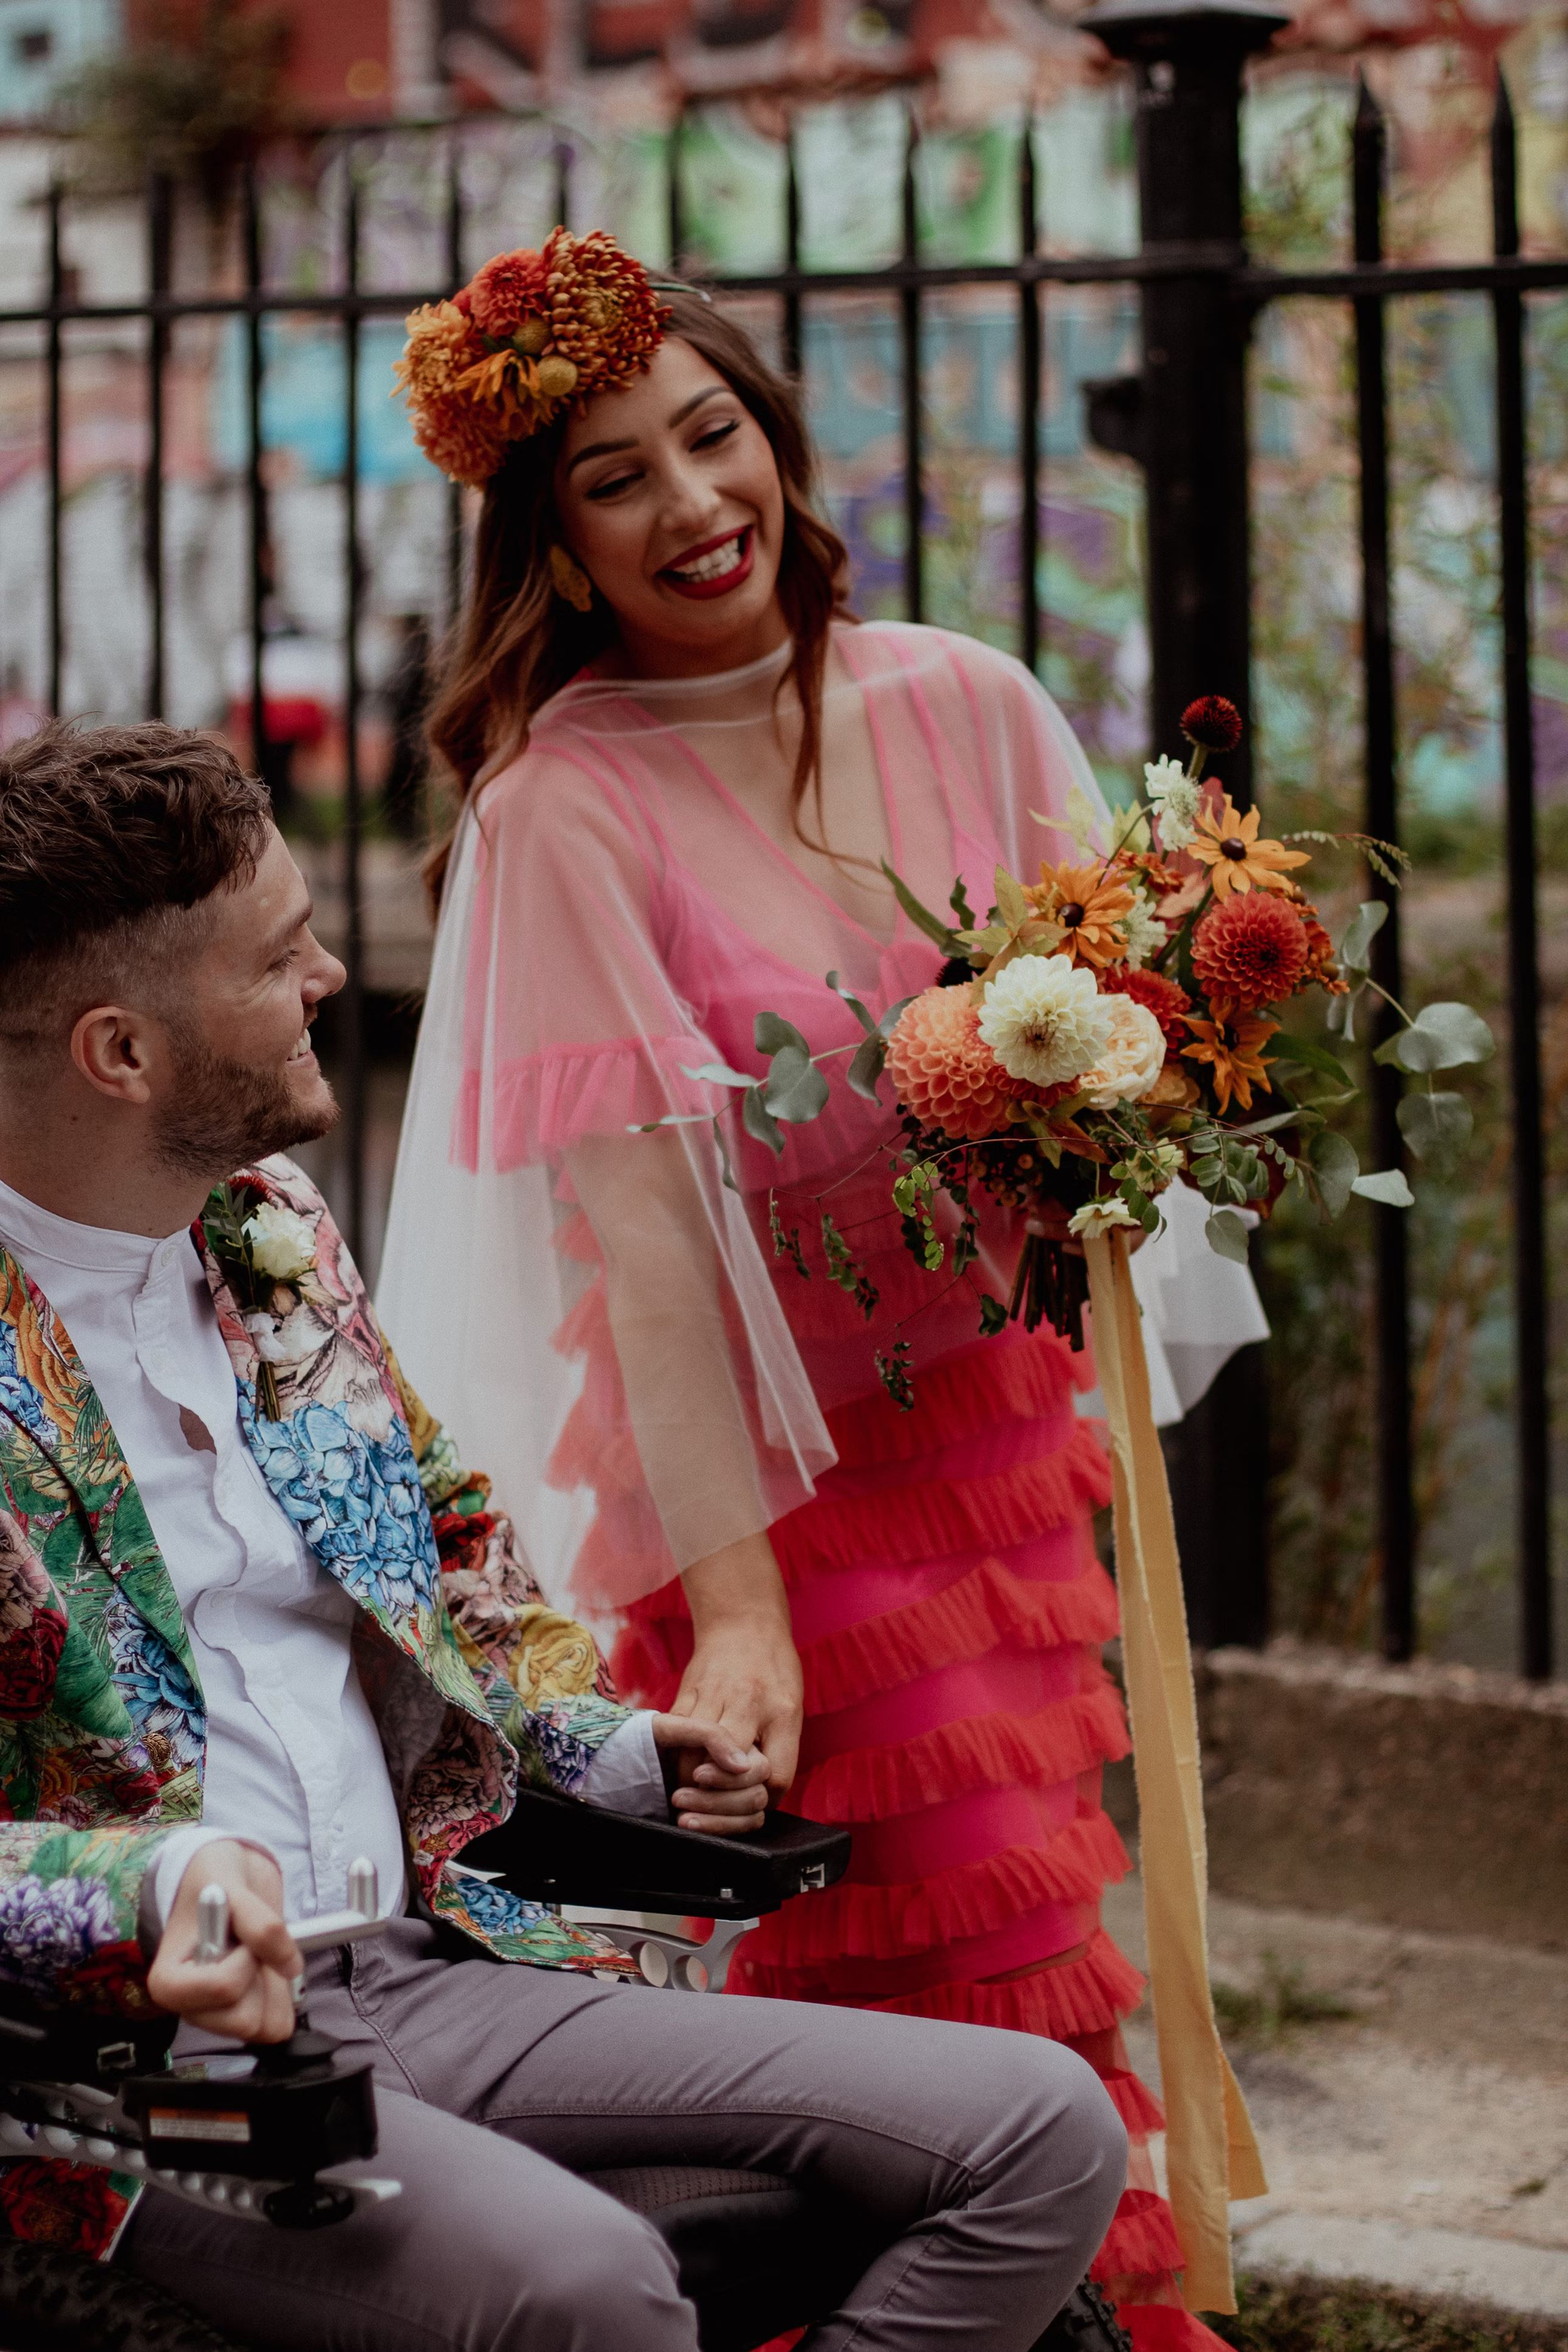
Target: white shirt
[[294, 1762]]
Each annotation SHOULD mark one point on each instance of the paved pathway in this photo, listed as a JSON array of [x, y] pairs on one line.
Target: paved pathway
[[1422, 2142]]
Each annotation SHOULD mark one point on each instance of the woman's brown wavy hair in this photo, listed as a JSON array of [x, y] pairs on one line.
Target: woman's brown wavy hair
[[517, 641]]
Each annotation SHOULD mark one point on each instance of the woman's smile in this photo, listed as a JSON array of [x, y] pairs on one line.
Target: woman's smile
[[714, 568]]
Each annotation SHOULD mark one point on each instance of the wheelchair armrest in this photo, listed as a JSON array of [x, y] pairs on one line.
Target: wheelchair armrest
[[559, 1850]]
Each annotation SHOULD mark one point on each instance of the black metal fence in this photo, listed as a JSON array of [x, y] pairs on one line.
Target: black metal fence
[[1184, 418]]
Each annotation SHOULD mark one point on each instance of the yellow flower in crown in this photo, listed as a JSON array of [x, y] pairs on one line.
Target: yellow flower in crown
[[529, 334]]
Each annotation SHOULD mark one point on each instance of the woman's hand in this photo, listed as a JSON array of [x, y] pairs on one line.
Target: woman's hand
[[714, 1785], [745, 1675], [249, 1994]]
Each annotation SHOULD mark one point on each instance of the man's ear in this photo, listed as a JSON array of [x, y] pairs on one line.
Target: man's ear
[[116, 1051]]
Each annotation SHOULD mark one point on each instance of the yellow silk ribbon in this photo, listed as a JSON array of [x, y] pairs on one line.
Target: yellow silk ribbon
[[1211, 2155]]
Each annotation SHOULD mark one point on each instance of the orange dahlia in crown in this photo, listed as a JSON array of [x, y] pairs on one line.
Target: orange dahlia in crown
[[530, 334]]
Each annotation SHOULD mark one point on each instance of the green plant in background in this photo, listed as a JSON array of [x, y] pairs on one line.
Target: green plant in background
[[1316, 2315], [191, 99], [1318, 1282], [1272, 2009]]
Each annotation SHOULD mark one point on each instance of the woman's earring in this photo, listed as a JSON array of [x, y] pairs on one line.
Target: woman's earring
[[572, 584]]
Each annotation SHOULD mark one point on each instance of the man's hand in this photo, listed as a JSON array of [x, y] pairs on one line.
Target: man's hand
[[718, 1786], [744, 1673], [248, 1994]]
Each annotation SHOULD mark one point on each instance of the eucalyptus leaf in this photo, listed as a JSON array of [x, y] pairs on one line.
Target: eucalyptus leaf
[[1354, 950], [796, 1089], [890, 1020], [1440, 1038], [922, 917], [719, 1074], [724, 1156], [1342, 1015], [758, 1122], [1434, 1125], [866, 1066], [1388, 1186], [856, 1007], [1226, 1234], [1337, 1170], [771, 1034], [1305, 1056]]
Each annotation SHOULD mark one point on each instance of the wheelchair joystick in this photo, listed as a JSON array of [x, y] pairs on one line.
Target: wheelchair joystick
[[246, 2130]]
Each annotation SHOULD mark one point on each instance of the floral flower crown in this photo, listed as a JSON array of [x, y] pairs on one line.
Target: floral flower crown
[[529, 333]]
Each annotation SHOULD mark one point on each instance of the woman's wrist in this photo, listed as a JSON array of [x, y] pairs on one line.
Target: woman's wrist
[[737, 1590]]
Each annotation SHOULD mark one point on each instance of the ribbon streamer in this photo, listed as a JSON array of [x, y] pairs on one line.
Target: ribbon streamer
[[1211, 2154]]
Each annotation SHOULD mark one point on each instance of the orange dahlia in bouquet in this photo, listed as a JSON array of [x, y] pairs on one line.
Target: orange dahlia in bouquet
[[1116, 1024]]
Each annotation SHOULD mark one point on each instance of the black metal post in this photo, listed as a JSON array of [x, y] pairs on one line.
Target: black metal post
[[261, 559], [1029, 300], [562, 183], [54, 362], [1532, 1403], [354, 1074], [1189, 426], [159, 239], [794, 357], [1396, 1463], [1188, 57], [909, 347]]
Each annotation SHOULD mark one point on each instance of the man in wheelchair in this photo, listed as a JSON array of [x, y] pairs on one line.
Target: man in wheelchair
[[256, 1622]]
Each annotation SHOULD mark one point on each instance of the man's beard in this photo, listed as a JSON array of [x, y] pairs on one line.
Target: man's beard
[[227, 1115]]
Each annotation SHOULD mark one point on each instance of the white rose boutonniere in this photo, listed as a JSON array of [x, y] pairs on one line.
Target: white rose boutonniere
[[260, 1246], [281, 1242]]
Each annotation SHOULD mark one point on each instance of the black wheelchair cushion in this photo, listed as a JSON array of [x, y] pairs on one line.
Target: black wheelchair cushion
[[51, 2301], [755, 2253]]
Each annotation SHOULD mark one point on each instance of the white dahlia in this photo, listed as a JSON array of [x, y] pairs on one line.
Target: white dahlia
[[1045, 1019], [1132, 1059]]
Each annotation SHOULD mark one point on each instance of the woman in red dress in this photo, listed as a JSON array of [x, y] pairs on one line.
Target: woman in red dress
[[684, 765]]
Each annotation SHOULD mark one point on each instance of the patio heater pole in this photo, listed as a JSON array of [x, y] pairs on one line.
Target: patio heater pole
[[1185, 418]]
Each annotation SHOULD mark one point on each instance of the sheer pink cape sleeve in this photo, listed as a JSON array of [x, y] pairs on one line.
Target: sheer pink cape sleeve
[[552, 1027]]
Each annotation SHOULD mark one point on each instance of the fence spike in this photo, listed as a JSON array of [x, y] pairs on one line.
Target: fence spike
[[1368, 148], [1505, 173]]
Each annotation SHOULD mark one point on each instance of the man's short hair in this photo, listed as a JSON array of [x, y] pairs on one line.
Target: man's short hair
[[108, 837]]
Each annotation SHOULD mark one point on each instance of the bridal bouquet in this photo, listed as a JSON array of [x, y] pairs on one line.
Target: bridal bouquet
[[1114, 1025]]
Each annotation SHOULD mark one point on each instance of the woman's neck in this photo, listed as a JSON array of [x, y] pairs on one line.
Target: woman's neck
[[643, 656]]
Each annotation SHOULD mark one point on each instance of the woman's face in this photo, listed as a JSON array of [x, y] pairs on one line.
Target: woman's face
[[669, 499]]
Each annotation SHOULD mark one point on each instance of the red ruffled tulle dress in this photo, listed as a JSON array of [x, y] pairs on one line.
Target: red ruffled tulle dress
[[950, 1611]]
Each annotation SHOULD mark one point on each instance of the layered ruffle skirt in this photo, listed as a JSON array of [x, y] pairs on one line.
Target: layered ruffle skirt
[[949, 1610]]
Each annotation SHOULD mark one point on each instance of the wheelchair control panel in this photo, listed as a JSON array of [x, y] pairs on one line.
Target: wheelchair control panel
[[247, 2130]]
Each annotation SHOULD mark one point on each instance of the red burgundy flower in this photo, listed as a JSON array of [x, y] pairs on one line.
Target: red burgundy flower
[[1212, 721]]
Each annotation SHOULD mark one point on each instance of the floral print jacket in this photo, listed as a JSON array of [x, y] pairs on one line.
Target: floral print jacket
[[474, 1680]]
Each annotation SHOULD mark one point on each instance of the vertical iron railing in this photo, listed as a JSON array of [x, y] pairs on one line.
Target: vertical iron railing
[[910, 384], [256, 501], [54, 430], [1184, 419], [1396, 1477], [355, 1076], [1030, 297], [1532, 1408], [159, 235]]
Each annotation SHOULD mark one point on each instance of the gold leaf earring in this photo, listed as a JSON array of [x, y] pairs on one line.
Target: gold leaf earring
[[572, 584]]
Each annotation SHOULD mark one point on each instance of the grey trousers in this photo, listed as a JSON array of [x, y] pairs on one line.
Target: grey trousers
[[996, 2157]]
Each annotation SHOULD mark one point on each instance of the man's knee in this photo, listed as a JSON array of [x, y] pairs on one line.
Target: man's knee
[[606, 2281]]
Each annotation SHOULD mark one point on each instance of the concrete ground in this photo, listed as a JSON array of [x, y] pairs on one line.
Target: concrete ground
[[1421, 2140]]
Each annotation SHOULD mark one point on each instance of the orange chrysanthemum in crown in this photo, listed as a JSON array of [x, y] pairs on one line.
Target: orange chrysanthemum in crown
[[529, 334]]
